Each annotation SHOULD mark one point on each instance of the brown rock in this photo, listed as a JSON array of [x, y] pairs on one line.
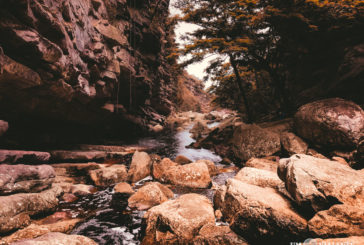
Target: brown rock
[[68, 198], [316, 184], [56, 238], [193, 175], [16, 209], [160, 167], [331, 123], [179, 219], [215, 235], [352, 240], [252, 141], [78, 156], [261, 163], [338, 221], [15, 156], [293, 144], [210, 165], [199, 129], [259, 177], [140, 166], [151, 194], [25, 178], [109, 175], [124, 187], [219, 197], [261, 214], [4, 126], [340, 160], [36, 230], [182, 160]]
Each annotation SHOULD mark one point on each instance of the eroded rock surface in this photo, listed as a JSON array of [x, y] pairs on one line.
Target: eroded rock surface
[[109, 175], [140, 166]]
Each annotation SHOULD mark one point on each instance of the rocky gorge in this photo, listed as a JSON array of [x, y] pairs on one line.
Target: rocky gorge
[[102, 143]]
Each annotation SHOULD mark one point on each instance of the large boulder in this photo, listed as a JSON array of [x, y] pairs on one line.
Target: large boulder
[[178, 220], [16, 210], [151, 194], [193, 175], [331, 122], [15, 156], [316, 184], [338, 221], [253, 141], [140, 166], [261, 214], [259, 177], [57, 238], [109, 175], [123, 188], [25, 178], [4, 126]]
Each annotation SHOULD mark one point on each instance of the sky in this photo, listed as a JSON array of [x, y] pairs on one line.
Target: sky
[[196, 69]]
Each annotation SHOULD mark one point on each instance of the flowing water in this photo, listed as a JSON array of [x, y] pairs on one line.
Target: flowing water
[[108, 220]]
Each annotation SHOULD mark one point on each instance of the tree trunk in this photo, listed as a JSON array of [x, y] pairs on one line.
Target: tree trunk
[[282, 93], [239, 82]]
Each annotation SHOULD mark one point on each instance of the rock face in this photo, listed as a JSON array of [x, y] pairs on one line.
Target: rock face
[[331, 123], [178, 220], [109, 175], [160, 167], [261, 163], [124, 188], [316, 184], [4, 126], [261, 214], [12, 156], [16, 209], [151, 194], [140, 166], [25, 178], [72, 61], [253, 141], [56, 238]]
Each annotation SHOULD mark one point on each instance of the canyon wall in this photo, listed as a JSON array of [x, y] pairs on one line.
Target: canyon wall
[[84, 66]]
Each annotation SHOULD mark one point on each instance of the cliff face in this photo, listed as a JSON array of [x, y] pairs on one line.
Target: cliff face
[[91, 63]]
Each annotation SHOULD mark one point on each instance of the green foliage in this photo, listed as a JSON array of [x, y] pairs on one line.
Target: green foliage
[[265, 35]]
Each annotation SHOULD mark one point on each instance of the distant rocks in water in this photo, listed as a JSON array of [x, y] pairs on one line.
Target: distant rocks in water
[[4, 126], [140, 166], [334, 123], [316, 184], [28, 157], [57, 238], [108, 176], [15, 210], [178, 220], [151, 194], [199, 129], [25, 178], [253, 141]]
